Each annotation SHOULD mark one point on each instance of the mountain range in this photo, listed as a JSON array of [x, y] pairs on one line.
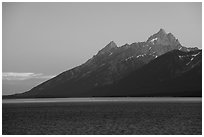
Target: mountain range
[[160, 66]]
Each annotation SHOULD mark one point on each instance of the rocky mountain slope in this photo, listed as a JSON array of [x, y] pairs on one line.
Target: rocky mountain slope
[[175, 73], [110, 66]]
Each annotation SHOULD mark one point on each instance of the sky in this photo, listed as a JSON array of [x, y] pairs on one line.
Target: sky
[[41, 40]]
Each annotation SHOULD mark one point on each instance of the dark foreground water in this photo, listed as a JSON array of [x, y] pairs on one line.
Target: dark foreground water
[[103, 116]]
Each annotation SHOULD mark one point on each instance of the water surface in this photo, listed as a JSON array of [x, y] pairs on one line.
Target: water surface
[[95, 117]]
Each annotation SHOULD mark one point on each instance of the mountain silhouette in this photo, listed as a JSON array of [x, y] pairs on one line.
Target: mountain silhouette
[[175, 73], [137, 69]]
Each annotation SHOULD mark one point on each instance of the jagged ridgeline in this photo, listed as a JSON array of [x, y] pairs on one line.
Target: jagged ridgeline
[[160, 66]]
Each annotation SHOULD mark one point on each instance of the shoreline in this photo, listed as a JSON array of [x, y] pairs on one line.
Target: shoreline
[[103, 99]]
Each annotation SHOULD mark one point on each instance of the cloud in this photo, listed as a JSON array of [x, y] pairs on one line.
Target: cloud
[[24, 76]]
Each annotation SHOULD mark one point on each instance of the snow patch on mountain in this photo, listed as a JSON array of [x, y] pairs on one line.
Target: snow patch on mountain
[[141, 55], [153, 40], [194, 55], [190, 61], [181, 57], [129, 58]]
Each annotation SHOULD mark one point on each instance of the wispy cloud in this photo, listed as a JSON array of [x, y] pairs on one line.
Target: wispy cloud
[[24, 76]]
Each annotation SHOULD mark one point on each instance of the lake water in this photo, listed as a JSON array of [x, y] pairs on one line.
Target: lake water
[[106, 99], [102, 116]]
